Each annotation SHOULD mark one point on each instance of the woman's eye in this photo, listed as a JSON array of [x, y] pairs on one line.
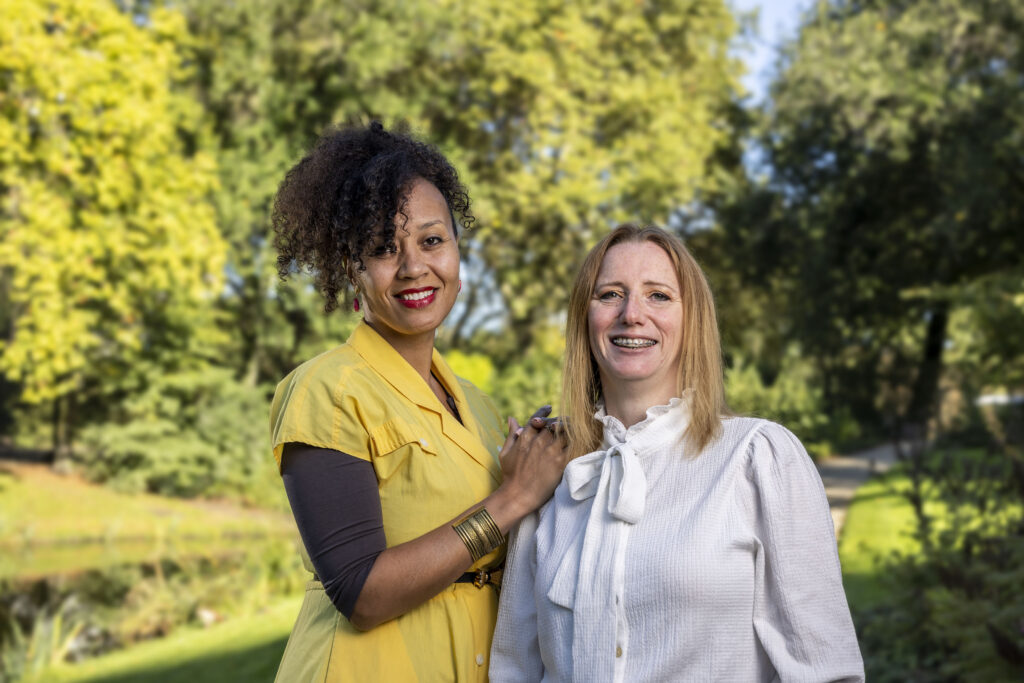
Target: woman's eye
[[660, 296], [433, 240], [383, 250], [607, 296]]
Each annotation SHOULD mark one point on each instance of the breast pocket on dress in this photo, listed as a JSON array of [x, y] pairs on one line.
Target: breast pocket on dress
[[395, 445]]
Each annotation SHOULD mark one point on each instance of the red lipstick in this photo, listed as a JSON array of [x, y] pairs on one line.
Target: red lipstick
[[419, 301]]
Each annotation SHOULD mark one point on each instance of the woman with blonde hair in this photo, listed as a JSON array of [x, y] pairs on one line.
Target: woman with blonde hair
[[683, 543]]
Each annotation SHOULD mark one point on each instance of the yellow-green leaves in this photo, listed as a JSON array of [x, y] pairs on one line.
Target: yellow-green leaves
[[562, 117], [106, 224]]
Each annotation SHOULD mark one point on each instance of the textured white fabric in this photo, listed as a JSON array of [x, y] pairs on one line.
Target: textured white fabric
[[647, 565]]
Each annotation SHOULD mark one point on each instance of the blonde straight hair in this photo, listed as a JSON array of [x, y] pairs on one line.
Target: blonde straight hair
[[700, 370]]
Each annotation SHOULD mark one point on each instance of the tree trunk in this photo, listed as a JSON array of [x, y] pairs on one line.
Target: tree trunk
[[924, 401], [61, 431]]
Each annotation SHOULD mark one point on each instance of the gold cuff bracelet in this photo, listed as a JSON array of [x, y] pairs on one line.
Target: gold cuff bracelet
[[479, 532]]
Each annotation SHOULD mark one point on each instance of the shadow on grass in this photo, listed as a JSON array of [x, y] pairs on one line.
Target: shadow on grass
[[881, 494], [258, 663], [866, 590]]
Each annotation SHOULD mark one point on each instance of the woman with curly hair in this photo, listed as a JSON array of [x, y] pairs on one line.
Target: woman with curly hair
[[397, 471]]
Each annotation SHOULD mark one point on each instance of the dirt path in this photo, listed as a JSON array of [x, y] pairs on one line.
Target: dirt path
[[843, 474]]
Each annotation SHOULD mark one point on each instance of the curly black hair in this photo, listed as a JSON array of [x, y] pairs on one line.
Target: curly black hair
[[342, 198]]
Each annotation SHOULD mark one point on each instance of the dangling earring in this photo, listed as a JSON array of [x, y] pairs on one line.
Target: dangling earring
[[355, 304]]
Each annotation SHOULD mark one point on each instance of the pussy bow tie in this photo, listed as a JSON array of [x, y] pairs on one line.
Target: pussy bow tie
[[615, 470]]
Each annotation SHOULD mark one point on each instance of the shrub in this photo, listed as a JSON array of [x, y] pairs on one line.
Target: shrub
[[957, 612], [793, 399], [186, 434]]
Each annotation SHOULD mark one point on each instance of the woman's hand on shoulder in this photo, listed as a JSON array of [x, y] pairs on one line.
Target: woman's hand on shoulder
[[532, 460]]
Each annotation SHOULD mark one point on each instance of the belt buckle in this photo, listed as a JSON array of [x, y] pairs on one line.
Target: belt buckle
[[482, 578]]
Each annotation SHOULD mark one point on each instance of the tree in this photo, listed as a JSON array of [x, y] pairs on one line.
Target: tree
[[563, 118], [110, 254], [896, 144]]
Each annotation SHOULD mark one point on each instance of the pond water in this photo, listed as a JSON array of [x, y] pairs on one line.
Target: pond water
[[71, 602]]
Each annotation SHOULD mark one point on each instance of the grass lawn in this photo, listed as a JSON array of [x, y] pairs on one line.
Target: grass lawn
[[879, 522], [241, 649], [954, 619], [50, 523]]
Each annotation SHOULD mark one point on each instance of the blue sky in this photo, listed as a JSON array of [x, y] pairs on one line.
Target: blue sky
[[777, 22]]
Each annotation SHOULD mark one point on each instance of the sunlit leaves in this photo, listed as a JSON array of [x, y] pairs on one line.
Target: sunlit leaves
[[563, 117], [107, 231]]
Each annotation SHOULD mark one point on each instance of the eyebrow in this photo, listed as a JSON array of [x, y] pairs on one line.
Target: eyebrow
[[646, 283], [431, 223], [422, 226]]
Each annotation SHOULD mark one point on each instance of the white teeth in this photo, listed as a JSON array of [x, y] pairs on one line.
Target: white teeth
[[632, 342], [416, 296]]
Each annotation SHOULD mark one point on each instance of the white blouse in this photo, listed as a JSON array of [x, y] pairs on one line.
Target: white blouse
[[648, 565]]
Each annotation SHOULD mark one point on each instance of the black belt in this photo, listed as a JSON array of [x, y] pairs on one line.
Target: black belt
[[482, 577], [479, 578]]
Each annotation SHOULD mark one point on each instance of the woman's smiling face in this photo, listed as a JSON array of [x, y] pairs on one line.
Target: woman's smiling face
[[410, 285], [635, 321]]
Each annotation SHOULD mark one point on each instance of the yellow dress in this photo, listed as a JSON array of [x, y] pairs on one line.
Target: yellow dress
[[364, 399]]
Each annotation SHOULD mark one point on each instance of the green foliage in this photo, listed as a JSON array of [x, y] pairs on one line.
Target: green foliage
[[184, 434], [953, 603], [793, 399], [134, 265], [46, 644], [239, 649], [569, 117], [892, 196], [475, 367], [109, 242], [162, 597], [890, 226], [532, 378], [986, 330], [562, 117], [90, 613]]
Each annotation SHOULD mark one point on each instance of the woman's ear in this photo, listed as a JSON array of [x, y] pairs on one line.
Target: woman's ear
[[350, 273]]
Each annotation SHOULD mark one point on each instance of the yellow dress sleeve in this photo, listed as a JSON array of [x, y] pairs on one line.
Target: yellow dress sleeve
[[316, 405]]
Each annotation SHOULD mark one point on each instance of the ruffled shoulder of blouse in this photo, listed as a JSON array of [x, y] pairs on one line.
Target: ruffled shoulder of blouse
[[773, 449]]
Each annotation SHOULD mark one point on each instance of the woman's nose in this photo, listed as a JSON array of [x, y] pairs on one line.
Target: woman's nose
[[632, 310], [411, 264]]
